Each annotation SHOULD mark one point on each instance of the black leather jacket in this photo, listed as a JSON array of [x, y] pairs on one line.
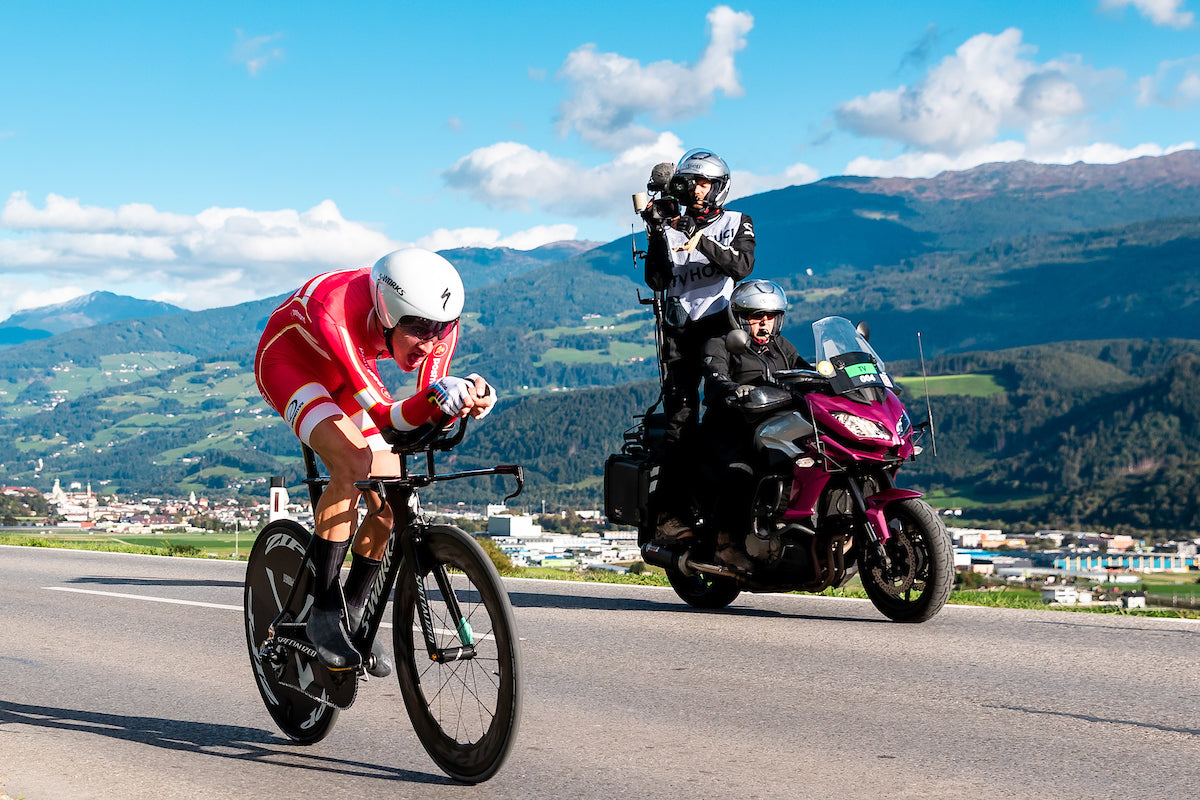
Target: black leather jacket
[[725, 371]]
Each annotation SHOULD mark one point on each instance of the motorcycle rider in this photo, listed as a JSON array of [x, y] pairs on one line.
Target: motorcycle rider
[[316, 366], [758, 308], [694, 258]]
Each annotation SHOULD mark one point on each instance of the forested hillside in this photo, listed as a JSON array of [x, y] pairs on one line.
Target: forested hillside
[[1056, 307]]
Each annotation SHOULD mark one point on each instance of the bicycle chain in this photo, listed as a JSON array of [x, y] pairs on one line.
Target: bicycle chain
[[308, 650]]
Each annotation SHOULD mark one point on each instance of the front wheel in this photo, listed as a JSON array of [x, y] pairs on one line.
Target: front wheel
[[465, 711], [918, 582], [701, 590]]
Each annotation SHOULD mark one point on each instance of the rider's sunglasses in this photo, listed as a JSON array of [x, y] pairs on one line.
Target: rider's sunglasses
[[423, 329], [757, 315]]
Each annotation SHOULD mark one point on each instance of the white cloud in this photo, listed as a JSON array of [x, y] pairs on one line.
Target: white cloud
[[928, 164], [1160, 12], [42, 296], [608, 92], [743, 184], [988, 86], [218, 257], [511, 175], [1176, 84], [444, 239], [255, 53]]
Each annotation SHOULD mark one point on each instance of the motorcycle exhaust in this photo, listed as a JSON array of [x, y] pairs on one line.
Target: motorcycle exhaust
[[666, 558]]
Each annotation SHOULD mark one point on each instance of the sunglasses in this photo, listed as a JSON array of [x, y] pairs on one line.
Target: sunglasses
[[423, 329], [756, 315]]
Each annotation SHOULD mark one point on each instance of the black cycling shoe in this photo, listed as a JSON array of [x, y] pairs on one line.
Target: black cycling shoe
[[378, 664], [328, 634]]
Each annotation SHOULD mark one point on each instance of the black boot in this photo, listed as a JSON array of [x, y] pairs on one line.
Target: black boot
[[379, 664]]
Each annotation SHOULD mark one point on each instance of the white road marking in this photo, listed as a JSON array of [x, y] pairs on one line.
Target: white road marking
[[157, 599]]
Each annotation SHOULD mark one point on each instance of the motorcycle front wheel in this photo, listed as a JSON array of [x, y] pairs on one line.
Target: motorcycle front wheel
[[701, 590], [917, 583]]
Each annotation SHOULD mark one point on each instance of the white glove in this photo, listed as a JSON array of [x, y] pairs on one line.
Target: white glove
[[450, 394], [742, 391], [487, 395]]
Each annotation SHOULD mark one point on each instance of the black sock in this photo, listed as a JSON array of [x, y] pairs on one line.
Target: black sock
[[363, 570], [327, 558]]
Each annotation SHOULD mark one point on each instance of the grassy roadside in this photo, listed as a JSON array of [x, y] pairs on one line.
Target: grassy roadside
[[652, 576]]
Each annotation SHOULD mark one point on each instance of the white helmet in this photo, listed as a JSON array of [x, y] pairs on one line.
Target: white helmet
[[418, 285]]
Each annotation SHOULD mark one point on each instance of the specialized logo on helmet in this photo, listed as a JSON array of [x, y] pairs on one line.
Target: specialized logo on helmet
[[385, 278], [445, 298]]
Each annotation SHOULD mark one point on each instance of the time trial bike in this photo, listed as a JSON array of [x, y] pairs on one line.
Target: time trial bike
[[458, 657]]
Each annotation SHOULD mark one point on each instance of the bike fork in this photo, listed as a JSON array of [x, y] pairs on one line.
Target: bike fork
[[874, 541], [463, 630]]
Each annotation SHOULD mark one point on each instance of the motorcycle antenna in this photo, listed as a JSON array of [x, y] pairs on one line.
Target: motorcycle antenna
[[656, 302], [928, 405]]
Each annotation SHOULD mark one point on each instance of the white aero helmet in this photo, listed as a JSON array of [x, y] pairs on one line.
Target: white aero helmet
[[756, 296], [418, 289]]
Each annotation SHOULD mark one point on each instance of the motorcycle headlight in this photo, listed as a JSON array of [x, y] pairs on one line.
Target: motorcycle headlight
[[903, 425], [862, 428]]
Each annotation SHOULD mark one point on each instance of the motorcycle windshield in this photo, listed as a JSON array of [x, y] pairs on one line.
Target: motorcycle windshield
[[852, 362]]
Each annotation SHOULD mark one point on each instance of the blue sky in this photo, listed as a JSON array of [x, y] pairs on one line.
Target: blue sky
[[208, 154]]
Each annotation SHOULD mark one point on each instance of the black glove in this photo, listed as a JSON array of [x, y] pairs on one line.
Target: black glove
[[685, 225]]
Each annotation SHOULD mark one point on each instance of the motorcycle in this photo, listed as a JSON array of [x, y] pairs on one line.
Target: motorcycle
[[825, 506]]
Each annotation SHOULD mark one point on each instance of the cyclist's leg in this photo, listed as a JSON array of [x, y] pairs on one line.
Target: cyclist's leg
[[370, 541], [347, 457]]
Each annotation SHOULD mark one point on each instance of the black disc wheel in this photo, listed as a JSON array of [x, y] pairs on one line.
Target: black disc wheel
[[701, 590], [271, 571], [917, 582], [465, 711]]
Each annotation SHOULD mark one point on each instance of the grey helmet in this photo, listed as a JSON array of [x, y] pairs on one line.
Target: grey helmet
[[755, 295], [701, 163]]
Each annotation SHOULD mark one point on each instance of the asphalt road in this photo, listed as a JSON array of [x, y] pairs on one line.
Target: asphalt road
[[126, 677]]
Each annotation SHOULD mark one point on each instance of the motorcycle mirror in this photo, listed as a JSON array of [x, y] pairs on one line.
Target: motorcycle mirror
[[736, 341], [864, 330]]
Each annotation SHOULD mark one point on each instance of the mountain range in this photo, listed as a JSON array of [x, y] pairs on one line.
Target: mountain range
[[1028, 275]]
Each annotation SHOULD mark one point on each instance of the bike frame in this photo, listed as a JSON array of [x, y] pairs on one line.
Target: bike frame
[[399, 492]]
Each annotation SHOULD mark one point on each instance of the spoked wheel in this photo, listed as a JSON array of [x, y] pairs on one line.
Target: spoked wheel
[[272, 569], [701, 590], [464, 711], [921, 575]]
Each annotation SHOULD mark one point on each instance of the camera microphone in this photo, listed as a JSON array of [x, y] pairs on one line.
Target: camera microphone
[[660, 177]]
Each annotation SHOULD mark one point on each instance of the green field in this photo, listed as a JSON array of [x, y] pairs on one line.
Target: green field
[[971, 385], [615, 353]]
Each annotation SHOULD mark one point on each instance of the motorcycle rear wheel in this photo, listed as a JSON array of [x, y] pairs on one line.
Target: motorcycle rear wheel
[[701, 590], [922, 573]]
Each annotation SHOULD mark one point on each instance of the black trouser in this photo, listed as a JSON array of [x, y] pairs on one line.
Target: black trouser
[[683, 354]]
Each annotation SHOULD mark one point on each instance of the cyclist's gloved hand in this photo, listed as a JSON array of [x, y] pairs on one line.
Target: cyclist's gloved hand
[[484, 395], [447, 397], [451, 395]]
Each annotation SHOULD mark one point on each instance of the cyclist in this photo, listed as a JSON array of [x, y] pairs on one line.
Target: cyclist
[[316, 366]]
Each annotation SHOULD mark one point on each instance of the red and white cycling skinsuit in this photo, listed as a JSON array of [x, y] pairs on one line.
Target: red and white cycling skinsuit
[[316, 360]]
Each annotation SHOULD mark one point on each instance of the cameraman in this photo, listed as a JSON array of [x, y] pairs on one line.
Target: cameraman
[[696, 251]]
